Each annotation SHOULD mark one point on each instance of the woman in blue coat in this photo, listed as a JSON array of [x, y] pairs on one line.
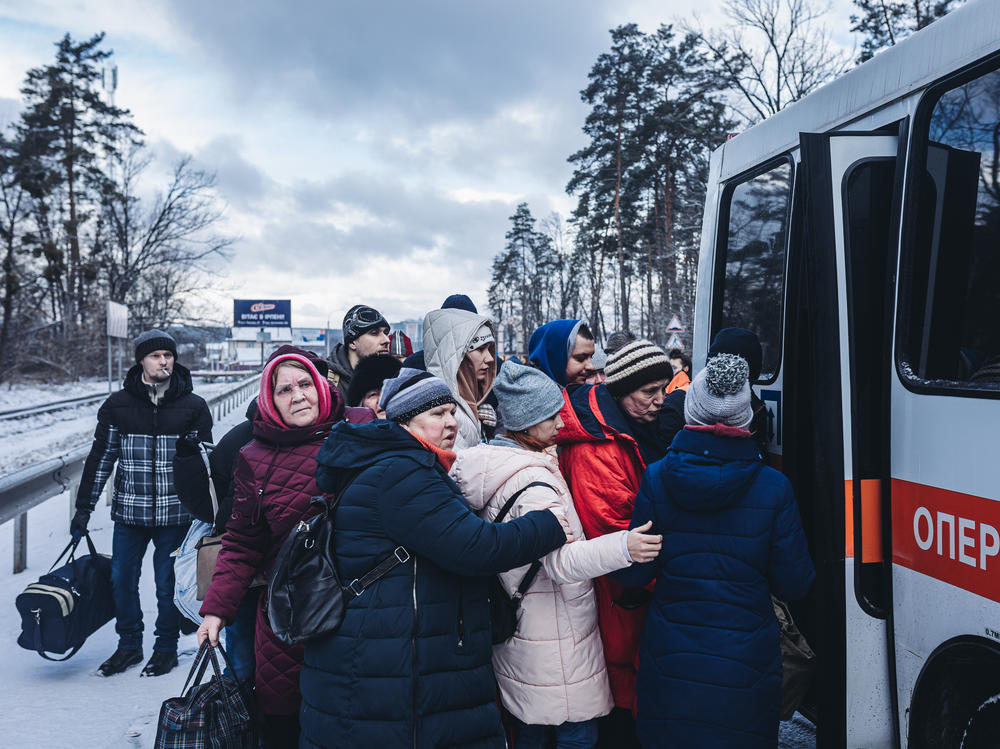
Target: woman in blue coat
[[411, 664], [710, 659]]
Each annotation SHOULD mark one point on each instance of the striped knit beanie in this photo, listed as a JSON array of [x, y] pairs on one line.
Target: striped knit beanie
[[634, 365], [412, 393]]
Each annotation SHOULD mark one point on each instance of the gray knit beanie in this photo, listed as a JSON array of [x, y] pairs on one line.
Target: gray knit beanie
[[527, 396], [153, 340], [720, 393], [412, 393]]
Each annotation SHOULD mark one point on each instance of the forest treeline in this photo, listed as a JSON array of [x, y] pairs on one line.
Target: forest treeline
[[659, 103], [76, 229]]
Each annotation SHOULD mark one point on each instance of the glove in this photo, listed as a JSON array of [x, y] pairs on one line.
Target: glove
[[78, 525], [487, 415], [189, 445]]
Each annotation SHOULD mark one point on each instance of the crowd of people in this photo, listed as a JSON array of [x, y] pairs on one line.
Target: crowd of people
[[618, 499]]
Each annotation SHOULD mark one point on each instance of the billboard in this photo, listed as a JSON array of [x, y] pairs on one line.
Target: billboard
[[262, 313]]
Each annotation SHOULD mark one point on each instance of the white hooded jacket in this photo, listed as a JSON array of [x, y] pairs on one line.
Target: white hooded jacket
[[553, 669], [447, 334]]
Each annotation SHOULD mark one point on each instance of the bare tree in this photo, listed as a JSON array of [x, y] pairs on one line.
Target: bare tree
[[774, 53], [155, 256]]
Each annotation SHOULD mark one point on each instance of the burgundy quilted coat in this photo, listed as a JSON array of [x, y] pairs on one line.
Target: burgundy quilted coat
[[275, 479]]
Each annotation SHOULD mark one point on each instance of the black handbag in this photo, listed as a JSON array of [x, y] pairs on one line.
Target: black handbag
[[798, 661], [504, 609], [216, 714], [306, 598], [67, 605]]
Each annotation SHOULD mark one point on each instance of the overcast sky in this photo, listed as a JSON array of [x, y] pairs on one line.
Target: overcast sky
[[367, 152]]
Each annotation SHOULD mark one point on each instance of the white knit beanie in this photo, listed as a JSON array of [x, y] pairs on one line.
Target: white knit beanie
[[720, 393]]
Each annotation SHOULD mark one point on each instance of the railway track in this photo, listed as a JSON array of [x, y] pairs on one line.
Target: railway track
[[44, 408]]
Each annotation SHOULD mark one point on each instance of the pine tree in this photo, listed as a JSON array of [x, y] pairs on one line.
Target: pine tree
[[886, 22], [69, 132], [603, 168]]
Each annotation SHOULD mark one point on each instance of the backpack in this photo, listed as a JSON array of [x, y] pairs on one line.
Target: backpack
[[188, 562], [504, 609], [67, 605], [305, 598]]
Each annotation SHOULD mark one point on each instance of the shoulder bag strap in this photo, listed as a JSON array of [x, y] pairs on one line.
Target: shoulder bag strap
[[357, 586], [203, 451], [529, 576], [38, 642], [513, 498]]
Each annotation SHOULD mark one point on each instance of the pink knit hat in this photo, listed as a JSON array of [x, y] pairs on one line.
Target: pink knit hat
[[265, 401]]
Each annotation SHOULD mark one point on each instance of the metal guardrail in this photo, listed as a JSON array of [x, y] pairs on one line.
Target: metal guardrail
[[28, 487]]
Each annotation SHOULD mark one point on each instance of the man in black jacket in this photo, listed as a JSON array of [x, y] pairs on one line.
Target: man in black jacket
[[138, 427]]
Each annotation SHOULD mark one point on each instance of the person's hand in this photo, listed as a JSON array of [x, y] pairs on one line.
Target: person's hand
[[209, 628], [78, 525], [570, 538], [188, 445], [643, 546]]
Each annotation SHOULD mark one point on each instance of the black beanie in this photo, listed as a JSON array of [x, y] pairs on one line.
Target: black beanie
[[370, 373], [460, 301], [741, 342], [153, 340]]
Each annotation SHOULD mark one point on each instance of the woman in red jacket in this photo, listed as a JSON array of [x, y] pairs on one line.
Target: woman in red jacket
[[275, 480], [611, 433]]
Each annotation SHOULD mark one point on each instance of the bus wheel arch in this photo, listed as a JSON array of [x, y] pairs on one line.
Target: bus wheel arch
[[955, 700]]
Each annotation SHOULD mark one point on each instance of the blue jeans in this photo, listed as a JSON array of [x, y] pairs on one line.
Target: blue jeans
[[568, 735], [128, 547], [239, 637]]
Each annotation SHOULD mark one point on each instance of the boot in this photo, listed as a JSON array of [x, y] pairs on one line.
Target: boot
[[160, 663], [119, 661]]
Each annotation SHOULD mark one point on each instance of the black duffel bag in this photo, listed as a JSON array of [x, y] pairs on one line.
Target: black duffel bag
[[305, 597], [67, 605]]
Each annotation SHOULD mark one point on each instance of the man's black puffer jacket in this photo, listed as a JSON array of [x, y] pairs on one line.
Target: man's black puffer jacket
[[142, 438]]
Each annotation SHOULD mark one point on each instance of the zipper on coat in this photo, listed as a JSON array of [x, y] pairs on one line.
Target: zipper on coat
[[461, 616], [156, 429], [413, 655]]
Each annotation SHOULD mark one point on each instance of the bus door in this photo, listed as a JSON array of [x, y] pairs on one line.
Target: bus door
[[945, 421], [838, 343]]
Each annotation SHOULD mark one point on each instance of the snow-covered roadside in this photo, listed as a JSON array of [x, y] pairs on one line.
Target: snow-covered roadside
[[48, 705], [29, 440]]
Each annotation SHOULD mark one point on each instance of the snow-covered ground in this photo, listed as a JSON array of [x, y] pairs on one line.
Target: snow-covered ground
[[34, 438], [45, 705]]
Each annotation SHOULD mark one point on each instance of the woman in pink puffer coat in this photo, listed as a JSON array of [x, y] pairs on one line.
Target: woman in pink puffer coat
[[552, 672]]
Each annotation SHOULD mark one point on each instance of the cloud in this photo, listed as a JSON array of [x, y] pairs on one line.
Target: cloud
[[10, 109], [415, 62], [242, 183]]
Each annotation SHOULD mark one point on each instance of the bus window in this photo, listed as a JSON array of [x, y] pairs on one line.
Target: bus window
[[949, 336], [751, 270]]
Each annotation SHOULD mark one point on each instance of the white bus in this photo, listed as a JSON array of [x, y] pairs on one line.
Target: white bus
[[858, 233]]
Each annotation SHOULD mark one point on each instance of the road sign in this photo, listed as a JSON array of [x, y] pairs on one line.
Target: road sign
[[256, 313], [674, 342], [117, 320], [674, 326]]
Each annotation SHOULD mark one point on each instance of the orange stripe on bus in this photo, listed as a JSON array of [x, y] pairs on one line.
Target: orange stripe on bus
[[871, 520]]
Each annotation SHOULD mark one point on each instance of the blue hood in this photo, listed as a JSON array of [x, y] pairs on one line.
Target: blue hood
[[705, 472], [352, 447], [550, 346]]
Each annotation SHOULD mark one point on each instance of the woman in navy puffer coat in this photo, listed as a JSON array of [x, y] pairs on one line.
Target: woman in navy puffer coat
[[411, 664], [710, 659]]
